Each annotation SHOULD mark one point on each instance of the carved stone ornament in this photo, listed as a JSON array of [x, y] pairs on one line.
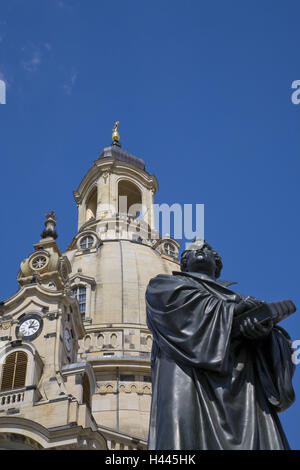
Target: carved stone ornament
[[105, 175], [67, 289]]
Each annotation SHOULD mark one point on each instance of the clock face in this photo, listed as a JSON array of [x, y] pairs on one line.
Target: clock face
[[68, 340], [30, 326]]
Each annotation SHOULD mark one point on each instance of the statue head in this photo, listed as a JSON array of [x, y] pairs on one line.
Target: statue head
[[201, 258]]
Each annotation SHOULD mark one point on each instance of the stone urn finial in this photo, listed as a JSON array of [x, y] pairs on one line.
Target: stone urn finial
[[50, 226]]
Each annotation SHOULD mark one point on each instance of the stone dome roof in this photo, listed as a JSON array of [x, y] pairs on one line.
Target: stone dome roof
[[118, 153]]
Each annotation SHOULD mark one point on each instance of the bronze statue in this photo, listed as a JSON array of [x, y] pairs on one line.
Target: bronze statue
[[219, 375]]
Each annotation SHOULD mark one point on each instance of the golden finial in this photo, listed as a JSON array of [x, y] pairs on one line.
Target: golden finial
[[115, 134]]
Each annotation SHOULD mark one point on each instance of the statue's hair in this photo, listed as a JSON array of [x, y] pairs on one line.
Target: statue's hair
[[218, 259]]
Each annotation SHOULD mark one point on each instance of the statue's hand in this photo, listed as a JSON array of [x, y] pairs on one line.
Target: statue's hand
[[247, 303], [251, 329]]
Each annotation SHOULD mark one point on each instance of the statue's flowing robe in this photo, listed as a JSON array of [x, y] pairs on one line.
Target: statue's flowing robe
[[210, 391]]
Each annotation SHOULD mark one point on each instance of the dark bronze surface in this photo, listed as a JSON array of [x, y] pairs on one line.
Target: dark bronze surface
[[211, 390]]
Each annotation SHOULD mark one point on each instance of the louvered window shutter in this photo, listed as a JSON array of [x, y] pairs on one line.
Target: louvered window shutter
[[14, 371]]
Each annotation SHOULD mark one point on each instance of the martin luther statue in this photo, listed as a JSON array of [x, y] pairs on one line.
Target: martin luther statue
[[221, 370]]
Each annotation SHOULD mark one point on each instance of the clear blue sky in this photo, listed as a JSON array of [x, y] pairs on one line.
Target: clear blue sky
[[202, 91]]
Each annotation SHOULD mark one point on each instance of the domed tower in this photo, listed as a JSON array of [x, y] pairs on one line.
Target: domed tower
[[113, 256]]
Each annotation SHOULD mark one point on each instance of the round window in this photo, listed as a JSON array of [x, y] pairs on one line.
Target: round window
[[169, 249], [86, 242], [39, 262]]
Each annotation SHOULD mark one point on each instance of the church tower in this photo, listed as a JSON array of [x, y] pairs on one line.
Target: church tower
[[113, 256], [78, 321], [45, 392]]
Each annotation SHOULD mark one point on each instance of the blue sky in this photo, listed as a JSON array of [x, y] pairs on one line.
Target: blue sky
[[202, 91]]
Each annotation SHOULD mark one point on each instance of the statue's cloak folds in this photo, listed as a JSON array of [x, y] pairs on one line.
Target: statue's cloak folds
[[208, 390]]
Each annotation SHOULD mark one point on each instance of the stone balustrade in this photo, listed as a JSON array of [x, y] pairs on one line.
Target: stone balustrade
[[12, 397]]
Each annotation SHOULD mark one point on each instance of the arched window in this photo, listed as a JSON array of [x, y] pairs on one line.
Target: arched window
[[79, 293], [86, 390], [129, 198], [91, 206], [14, 371], [169, 249]]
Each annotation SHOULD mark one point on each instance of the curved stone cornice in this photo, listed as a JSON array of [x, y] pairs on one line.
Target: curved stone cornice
[[66, 435], [26, 292], [23, 346], [166, 240], [82, 277], [122, 362]]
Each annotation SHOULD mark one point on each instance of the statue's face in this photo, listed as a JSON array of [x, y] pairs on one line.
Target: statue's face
[[201, 261]]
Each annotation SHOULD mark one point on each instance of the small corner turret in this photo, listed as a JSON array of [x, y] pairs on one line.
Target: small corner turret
[[46, 265]]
